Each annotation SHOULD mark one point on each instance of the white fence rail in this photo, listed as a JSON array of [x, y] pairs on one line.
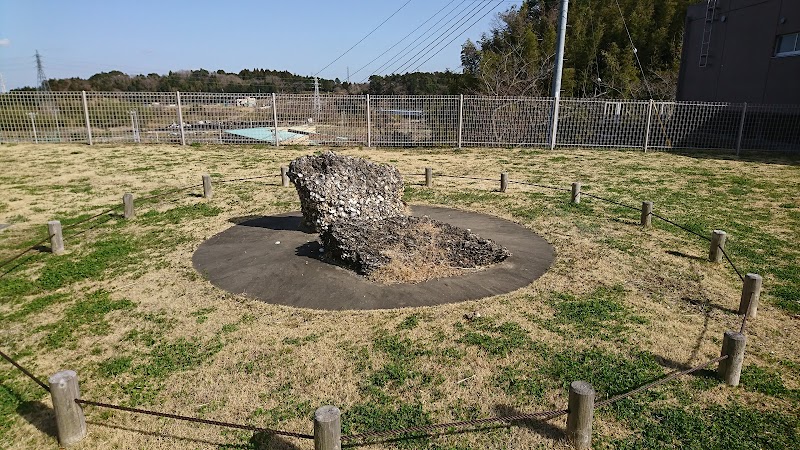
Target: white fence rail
[[396, 121]]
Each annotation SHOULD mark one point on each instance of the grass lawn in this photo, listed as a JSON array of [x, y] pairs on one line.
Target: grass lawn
[[620, 306]]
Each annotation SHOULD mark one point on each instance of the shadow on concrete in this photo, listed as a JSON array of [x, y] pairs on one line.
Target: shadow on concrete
[[39, 415], [281, 223]]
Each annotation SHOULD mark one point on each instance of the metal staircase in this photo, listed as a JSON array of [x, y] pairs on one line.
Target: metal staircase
[[705, 46]]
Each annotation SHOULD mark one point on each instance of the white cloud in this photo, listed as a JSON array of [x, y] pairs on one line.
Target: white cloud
[[5, 42]]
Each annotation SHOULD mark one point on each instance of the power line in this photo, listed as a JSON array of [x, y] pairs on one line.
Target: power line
[[458, 22], [635, 51], [365, 37], [402, 53], [401, 40], [459, 35]]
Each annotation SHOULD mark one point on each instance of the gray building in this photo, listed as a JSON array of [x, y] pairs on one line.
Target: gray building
[[741, 51]]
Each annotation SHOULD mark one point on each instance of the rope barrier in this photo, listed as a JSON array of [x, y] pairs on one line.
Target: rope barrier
[[19, 255], [467, 178], [610, 201], [725, 254], [682, 227], [25, 371], [555, 188], [245, 179], [661, 381], [194, 419], [542, 415]]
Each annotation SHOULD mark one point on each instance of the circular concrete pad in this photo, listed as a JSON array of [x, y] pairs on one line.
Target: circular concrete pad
[[269, 259]]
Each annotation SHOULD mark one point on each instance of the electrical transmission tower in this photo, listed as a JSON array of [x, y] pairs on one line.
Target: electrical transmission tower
[[41, 77], [47, 101]]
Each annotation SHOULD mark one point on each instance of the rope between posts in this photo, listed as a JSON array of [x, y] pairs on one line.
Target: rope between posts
[[725, 254], [467, 178], [245, 179], [609, 201], [194, 419], [19, 255], [542, 415], [555, 188], [681, 227], [25, 371], [669, 377]]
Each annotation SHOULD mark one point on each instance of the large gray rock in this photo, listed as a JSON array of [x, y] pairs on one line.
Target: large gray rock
[[368, 245], [334, 187]]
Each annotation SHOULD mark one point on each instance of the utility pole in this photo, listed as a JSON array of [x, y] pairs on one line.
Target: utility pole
[[562, 32], [559, 68]]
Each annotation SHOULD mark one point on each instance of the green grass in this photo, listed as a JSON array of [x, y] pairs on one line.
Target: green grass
[[86, 315], [495, 340]]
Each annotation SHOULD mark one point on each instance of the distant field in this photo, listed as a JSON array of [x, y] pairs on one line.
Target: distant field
[[620, 307]]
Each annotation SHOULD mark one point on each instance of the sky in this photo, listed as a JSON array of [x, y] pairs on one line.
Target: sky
[[79, 38]]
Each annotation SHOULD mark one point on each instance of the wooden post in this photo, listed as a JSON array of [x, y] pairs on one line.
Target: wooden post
[[730, 369], [647, 214], [56, 238], [718, 238], [284, 176], [86, 118], [751, 291], [503, 181], [127, 206], [576, 193], [208, 189], [428, 177], [581, 412], [327, 428], [70, 422]]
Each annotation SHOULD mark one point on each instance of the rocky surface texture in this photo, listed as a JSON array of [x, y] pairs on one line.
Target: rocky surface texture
[[408, 249], [333, 187]]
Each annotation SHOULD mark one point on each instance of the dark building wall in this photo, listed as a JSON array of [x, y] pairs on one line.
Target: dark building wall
[[741, 66]]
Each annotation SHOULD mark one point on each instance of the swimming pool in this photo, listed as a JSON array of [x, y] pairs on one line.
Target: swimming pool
[[264, 134]]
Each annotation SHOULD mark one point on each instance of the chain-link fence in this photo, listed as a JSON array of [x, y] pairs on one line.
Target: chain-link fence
[[395, 121]]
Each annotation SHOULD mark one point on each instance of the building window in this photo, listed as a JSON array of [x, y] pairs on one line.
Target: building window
[[788, 45]]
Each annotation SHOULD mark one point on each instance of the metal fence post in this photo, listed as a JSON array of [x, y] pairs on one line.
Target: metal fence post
[[649, 119], [369, 124], [741, 130], [86, 118], [554, 122], [275, 117], [460, 117], [32, 115], [180, 117]]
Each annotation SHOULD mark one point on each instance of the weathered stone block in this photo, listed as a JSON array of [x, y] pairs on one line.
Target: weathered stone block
[[333, 187]]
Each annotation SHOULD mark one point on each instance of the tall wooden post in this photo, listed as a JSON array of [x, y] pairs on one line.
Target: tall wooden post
[[730, 369], [580, 415], [70, 421], [284, 176], [576, 193], [717, 245], [127, 206], [647, 214], [428, 177], [503, 181], [208, 189], [56, 238], [327, 428], [751, 291]]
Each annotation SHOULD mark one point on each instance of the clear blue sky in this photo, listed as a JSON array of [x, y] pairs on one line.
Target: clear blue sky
[[78, 38]]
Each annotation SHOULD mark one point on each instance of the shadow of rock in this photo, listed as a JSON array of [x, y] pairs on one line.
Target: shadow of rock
[[40, 416], [288, 223], [542, 427]]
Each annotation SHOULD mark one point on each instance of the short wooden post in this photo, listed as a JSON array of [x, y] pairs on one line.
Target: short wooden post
[[70, 422], [428, 177], [751, 290], [581, 412], [284, 176], [503, 182], [208, 189], [327, 428], [56, 238], [127, 206], [647, 214], [576, 193], [718, 238], [730, 368]]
